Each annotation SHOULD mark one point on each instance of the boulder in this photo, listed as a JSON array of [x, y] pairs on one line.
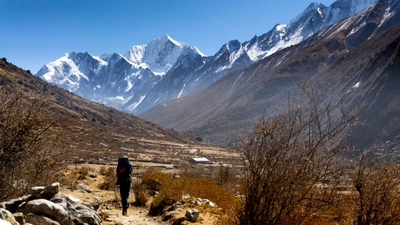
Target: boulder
[[8, 216], [49, 209], [3, 222], [87, 214], [20, 217], [39, 219], [45, 205], [13, 204], [83, 187], [45, 192], [52, 189], [35, 191], [77, 209], [192, 215]]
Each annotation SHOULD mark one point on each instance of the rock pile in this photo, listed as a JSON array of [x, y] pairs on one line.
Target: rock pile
[[191, 215], [46, 206]]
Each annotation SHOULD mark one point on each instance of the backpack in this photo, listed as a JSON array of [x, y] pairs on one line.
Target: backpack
[[124, 170]]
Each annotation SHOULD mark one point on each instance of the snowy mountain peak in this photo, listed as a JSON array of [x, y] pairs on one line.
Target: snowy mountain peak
[[165, 38], [358, 5], [160, 54], [164, 68], [233, 46]]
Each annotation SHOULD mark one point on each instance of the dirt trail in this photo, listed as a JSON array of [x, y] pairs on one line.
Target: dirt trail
[[110, 208], [135, 216]]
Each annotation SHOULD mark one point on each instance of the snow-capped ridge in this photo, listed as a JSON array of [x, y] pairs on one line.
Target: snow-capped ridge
[[165, 69], [159, 54]]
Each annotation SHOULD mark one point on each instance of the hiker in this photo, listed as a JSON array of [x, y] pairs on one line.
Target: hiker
[[124, 170]]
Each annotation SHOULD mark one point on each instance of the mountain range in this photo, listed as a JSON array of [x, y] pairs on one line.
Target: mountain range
[[357, 58], [91, 132], [165, 69], [350, 48]]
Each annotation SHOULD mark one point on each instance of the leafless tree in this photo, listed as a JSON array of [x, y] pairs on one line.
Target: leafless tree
[[377, 197], [29, 151], [293, 162]]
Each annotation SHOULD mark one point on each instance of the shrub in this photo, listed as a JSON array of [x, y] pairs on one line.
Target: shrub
[[173, 190], [140, 192], [30, 152], [288, 159], [109, 182], [377, 198], [83, 172], [223, 174], [192, 170], [103, 170]]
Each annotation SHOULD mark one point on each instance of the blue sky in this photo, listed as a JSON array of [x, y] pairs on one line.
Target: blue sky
[[36, 32]]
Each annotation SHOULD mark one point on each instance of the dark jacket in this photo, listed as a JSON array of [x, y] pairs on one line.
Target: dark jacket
[[124, 170]]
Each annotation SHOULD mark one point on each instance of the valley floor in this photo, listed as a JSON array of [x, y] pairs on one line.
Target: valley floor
[[87, 189]]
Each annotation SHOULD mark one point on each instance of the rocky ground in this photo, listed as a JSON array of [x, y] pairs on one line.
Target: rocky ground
[[81, 197], [107, 201]]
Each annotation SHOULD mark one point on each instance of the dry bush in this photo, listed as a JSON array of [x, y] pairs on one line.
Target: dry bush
[[103, 170], [110, 179], [83, 172], [288, 160], [224, 174], [30, 152], [173, 190], [191, 170], [154, 179], [377, 198], [76, 173], [140, 191]]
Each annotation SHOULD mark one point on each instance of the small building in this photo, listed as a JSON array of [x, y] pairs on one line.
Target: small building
[[200, 160]]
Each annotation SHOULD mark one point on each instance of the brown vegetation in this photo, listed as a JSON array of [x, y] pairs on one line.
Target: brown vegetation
[[377, 197], [94, 133], [293, 163], [29, 146]]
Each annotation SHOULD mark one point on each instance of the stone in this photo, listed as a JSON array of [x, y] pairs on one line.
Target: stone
[[8, 216], [20, 217], [52, 189], [77, 209], [3, 222], [83, 187], [88, 215], [192, 215], [36, 191], [199, 201], [39, 219], [45, 192], [210, 203], [48, 208], [13, 204]]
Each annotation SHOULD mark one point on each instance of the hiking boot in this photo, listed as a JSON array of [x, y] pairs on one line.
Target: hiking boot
[[124, 213]]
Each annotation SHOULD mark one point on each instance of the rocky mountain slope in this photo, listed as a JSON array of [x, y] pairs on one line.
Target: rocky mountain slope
[[356, 58], [116, 80], [91, 131], [166, 69]]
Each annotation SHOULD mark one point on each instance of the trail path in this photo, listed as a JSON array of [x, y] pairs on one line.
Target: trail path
[[136, 217]]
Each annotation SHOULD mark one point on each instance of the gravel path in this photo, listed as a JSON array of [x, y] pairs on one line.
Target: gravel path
[[135, 216]]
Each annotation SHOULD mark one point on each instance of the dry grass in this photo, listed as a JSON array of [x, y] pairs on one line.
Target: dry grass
[[173, 189], [109, 178]]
